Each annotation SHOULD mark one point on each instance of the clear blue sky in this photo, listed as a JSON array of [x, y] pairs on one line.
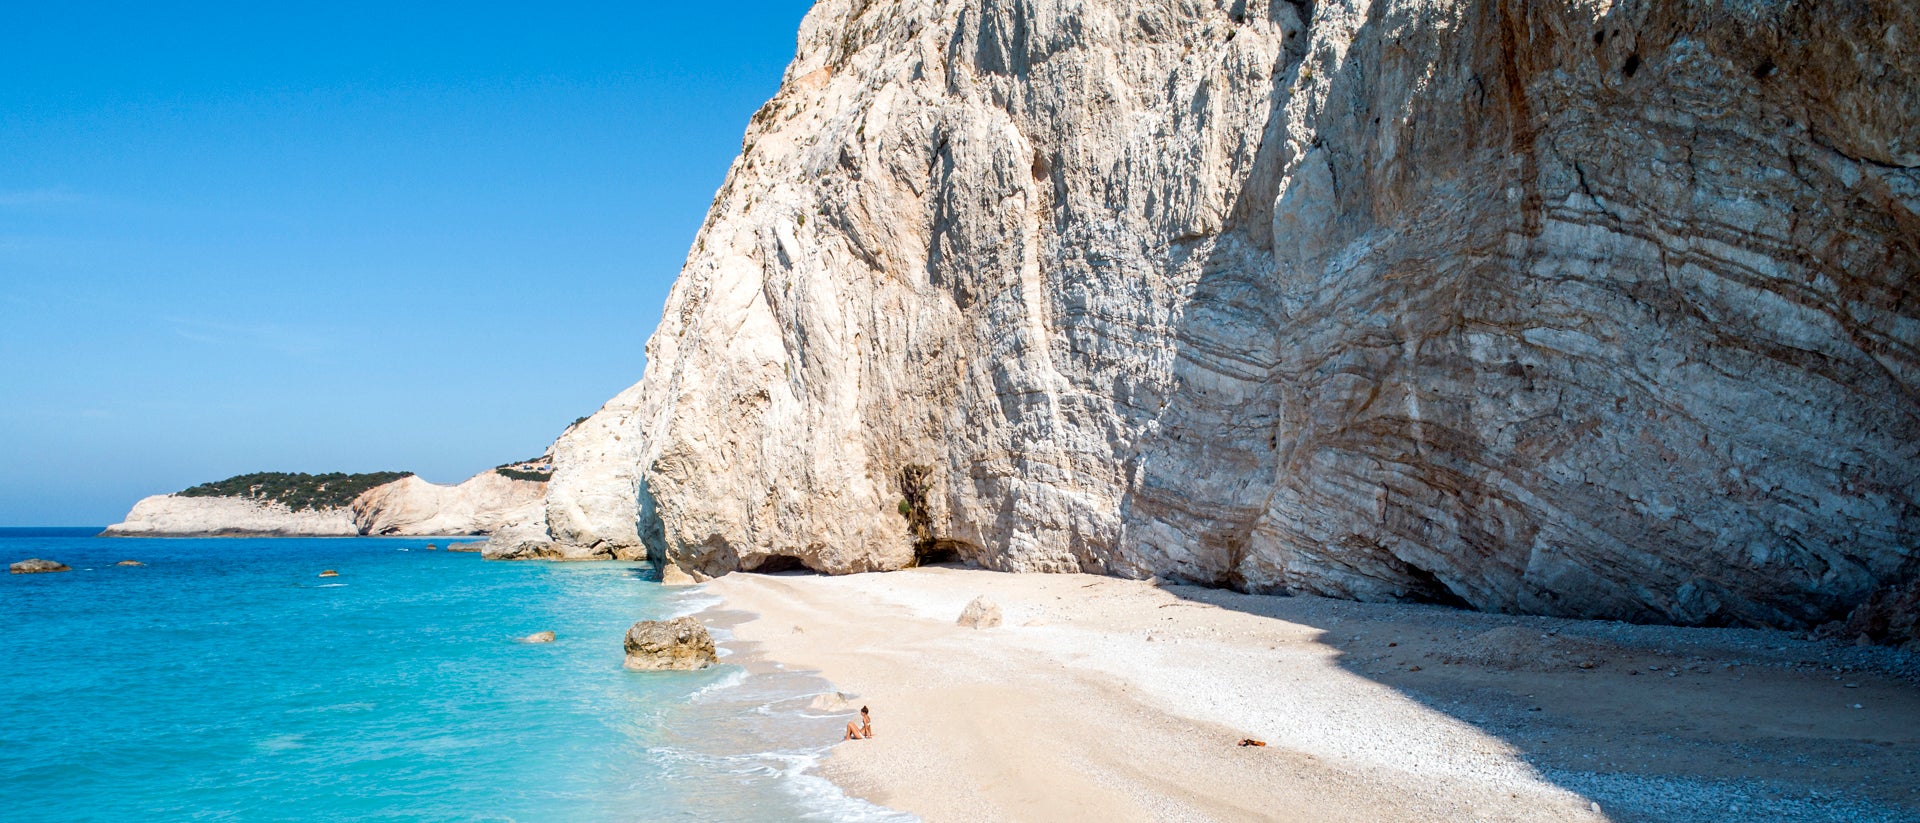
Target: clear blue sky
[[342, 236]]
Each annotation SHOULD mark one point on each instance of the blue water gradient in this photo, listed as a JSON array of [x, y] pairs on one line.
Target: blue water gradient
[[225, 680]]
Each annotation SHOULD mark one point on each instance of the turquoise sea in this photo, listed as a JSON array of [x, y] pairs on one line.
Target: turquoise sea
[[225, 680]]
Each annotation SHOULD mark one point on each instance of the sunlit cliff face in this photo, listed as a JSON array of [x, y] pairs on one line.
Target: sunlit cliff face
[[1571, 308]]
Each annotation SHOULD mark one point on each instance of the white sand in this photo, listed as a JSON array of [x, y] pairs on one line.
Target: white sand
[[1105, 699]]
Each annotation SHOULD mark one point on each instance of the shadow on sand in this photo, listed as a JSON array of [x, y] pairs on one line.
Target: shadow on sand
[[1654, 723]]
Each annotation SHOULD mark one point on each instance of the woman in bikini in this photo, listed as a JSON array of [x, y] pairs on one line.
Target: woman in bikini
[[862, 730]]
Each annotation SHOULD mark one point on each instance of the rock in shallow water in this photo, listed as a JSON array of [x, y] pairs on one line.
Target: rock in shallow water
[[677, 644], [671, 575], [129, 563], [538, 637], [329, 573], [37, 566]]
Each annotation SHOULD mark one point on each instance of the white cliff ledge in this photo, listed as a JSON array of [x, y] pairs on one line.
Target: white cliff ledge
[[172, 515], [408, 506]]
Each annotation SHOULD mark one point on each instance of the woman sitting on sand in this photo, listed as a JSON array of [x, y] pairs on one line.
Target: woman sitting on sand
[[862, 730]]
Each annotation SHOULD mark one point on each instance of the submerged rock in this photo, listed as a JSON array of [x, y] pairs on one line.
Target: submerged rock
[[37, 566], [980, 614], [538, 637], [129, 563], [679, 644]]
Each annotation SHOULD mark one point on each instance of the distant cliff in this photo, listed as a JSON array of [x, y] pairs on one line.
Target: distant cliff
[[337, 505], [1601, 309]]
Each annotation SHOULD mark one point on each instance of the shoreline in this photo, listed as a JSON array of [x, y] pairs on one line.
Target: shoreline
[[1123, 700]]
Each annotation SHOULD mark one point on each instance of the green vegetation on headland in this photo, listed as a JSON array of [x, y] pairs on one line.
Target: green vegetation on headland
[[296, 490], [538, 469], [516, 474]]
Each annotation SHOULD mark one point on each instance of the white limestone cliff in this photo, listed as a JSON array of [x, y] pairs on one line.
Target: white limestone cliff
[[1576, 307], [172, 515], [479, 505]]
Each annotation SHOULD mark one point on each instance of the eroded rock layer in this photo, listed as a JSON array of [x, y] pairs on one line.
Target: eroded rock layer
[[1576, 308]]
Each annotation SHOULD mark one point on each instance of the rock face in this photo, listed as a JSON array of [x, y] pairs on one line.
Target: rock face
[[981, 613], [35, 565], [482, 504], [680, 643], [1890, 617], [1602, 309], [171, 515]]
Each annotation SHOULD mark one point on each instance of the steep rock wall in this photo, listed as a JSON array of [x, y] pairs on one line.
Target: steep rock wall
[[1578, 308], [481, 504], [171, 515]]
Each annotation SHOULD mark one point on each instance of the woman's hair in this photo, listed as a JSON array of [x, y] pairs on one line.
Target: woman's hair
[[863, 710]]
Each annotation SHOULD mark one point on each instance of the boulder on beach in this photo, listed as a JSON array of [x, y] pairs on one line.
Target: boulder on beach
[[37, 566], [329, 573], [677, 644], [129, 563], [538, 637], [980, 614], [1889, 617], [671, 575]]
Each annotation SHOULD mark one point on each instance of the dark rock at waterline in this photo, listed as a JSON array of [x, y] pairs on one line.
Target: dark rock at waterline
[[677, 644], [329, 573], [37, 566]]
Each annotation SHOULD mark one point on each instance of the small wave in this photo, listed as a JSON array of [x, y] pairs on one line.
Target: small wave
[[825, 799], [732, 679], [693, 603], [329, 585]]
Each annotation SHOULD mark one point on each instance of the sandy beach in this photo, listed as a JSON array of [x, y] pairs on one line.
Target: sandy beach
[[1116, 700]]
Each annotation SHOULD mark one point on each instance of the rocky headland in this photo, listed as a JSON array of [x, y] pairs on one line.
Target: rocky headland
[[1569, 308], [295, 505]]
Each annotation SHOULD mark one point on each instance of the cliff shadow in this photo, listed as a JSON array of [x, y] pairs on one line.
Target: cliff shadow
[[1653, 723], [1318, 438]]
